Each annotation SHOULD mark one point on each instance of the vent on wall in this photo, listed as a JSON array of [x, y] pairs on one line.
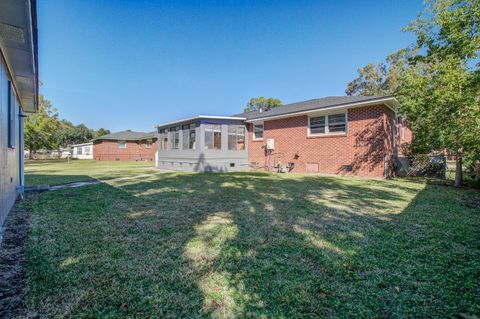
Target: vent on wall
[[312, 167], [346, 168]]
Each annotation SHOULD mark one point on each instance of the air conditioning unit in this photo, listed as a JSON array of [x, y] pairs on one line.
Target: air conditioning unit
[[270, 144]]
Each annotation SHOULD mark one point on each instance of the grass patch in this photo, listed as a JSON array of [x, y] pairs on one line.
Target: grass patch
[[54, 172], [254, 245]]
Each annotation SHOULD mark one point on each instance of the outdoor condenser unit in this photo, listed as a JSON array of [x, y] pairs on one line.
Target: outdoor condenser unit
[[270, 144]]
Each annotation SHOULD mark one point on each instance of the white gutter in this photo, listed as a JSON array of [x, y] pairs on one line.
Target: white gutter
[[201, 117], [390, 102]]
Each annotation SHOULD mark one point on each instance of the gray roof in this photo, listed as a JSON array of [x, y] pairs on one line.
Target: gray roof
[[127, 136], [310, 105]]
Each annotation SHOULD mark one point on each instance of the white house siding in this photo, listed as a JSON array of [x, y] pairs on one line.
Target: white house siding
[[11, 159], [87, 151]]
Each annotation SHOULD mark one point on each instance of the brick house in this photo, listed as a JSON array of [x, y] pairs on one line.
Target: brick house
[[125, 146], [348, 135]]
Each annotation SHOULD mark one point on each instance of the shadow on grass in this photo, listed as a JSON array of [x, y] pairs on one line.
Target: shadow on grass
[[254, 245]]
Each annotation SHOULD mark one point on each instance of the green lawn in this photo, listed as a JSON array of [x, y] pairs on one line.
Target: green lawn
[[54, 172], [254, 245]]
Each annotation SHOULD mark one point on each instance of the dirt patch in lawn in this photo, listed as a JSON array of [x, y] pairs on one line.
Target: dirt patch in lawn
[[13, 261]]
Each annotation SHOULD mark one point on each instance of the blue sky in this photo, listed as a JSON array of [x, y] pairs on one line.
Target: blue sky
[[132, 64]]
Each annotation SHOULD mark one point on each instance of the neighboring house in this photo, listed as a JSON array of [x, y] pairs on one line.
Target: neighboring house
[[65, 152], [82, 151], [18, 92], [348, 135], [126, 146]]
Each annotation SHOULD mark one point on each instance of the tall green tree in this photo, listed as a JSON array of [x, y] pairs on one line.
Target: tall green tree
[[381, 79], [261, 103], [69, 134], [441, 92], [100, 132], [436, 80], [41, 128]]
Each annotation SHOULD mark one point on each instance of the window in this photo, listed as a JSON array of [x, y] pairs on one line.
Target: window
[[11, 116], [175, 134], [148, 143], [258, 131], [189, 136], [87, 150], [122, 144], [213, 136], [79, 150], [328, 124], [336, 123], [164, 143], [236, 138], [317, 125], [192, 136]]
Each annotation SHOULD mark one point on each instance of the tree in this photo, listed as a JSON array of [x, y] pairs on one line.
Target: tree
[[261, 103], [442, 107], [381, 79], [436, 80], [41, 128], [69, 134], [100, 132], [440, 92]]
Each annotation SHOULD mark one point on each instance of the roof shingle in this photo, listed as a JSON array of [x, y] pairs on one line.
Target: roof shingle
[[127, 136], [314, 104]]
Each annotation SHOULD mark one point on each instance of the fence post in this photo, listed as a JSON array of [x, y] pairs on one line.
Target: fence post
[[444, 167]]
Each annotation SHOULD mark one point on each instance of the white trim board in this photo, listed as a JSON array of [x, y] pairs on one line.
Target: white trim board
[[201, 117]]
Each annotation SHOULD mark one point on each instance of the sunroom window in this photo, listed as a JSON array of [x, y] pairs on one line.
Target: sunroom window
[[236, 138], [189, 136], [213, 136]]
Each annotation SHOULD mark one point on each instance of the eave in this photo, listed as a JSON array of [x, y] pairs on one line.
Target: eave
[[19, 49]]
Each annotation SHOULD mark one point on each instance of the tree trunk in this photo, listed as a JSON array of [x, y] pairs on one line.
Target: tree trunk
[[458, 170]]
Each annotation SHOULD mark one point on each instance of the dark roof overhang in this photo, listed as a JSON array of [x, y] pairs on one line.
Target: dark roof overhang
[[19, 49]]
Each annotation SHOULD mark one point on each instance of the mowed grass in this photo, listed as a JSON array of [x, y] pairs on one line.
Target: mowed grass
[[54, 172], [184, 245]]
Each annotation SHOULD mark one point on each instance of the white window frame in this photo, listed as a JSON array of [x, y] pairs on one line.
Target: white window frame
[[327, 124], [124, 145], [214, 129], [175, 135], [253, 131], [237, 135], [164, 135], [148, 143]]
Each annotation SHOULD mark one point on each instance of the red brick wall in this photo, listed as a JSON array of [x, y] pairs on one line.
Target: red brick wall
[[107, 150], [363, 148], [404, 136]]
